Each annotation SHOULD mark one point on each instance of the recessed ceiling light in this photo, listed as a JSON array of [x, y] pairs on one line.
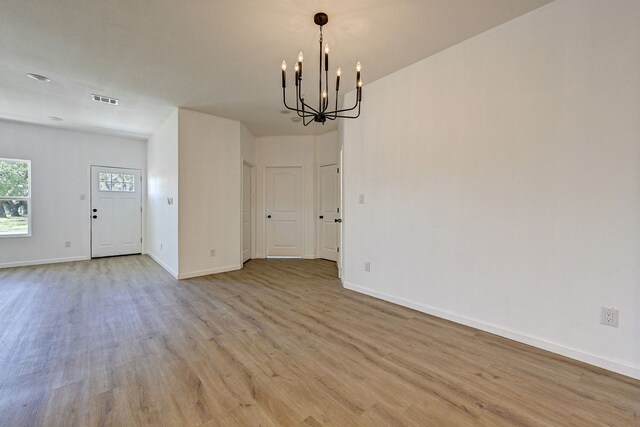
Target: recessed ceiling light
[[38, 77], [295, 119], [285, 111], [55, 118]]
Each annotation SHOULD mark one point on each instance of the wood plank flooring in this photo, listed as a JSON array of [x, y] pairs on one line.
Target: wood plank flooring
[[119, 342]]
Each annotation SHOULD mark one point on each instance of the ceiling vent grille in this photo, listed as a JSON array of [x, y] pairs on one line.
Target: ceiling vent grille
[[104, 99]]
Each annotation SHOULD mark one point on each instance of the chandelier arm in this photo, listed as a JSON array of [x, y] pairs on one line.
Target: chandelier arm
[[307, 123], [300, 112], [284, 100], [304, 104], [350, 117], [326, 84], [358, 101]]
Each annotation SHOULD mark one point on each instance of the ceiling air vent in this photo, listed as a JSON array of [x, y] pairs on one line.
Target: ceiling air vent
[[104, 99]]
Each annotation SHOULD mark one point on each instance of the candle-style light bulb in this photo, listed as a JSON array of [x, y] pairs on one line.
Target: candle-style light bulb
[[284, 74], [324, 93], [326, 57], [300, 56], [296, 68], [339, 72], [359, 83], [358, 66]]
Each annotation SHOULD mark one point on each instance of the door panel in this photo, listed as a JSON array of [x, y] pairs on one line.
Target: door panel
[[329, 211], [284, 209], [246, 212], [116, 217]]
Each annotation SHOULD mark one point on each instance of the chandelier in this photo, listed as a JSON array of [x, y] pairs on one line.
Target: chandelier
[[320, 114]]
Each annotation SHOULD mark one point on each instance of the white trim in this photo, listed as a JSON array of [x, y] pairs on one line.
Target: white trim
[[43, 261], [619, 366], [160, 263], [209, 271], [283, 257]]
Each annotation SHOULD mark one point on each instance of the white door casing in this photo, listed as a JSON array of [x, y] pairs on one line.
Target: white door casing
[[246, 212], [329, 211], [284, 211], [116, 212]]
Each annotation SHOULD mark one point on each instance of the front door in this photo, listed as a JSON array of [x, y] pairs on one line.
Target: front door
[[116, 211], [284, 211], [329, 211]]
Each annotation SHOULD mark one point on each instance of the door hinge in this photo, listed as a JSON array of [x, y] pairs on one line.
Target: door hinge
[[141, 240], [338, 248], [338, 170], [338, 210]]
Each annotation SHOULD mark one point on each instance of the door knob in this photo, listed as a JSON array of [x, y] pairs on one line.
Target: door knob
[[95, 210], [95, 216], [338, 220], [321, 216], [268, 216]]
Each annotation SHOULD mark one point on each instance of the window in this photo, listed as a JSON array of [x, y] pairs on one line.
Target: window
[[117, 182], [15, 197]]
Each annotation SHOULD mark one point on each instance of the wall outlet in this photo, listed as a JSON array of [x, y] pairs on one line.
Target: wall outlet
[[361, 199], [609, 316], [67, 244], [212, 252], [367, 266]]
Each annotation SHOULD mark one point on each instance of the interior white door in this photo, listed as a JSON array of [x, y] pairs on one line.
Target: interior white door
[[116, 211], [329, 211], [246, 212], [284, 211]]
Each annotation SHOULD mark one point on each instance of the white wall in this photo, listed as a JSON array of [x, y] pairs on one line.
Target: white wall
[[502, 182], [161, 223], [247, 145], [210, 194], [60, 174]]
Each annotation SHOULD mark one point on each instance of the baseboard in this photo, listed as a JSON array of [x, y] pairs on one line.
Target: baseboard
[[43, 261], [161, 264], [210, 271], [621, 367]]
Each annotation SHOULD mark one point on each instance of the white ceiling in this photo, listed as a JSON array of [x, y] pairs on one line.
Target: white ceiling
[[220, 57]]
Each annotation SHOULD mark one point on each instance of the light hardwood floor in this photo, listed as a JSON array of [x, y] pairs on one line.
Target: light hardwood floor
[[119, 342]]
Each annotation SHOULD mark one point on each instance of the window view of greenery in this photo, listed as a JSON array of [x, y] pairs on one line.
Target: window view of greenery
[[116, 182], [14, 197]]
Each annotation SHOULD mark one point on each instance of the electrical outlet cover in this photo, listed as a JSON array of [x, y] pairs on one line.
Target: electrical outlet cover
[[609, 316]]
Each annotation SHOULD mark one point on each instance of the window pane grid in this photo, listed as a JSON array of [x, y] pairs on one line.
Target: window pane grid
[[116, 182], [15, 197]]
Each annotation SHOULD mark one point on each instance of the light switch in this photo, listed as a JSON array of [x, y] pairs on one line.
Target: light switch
[[361, 199]]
